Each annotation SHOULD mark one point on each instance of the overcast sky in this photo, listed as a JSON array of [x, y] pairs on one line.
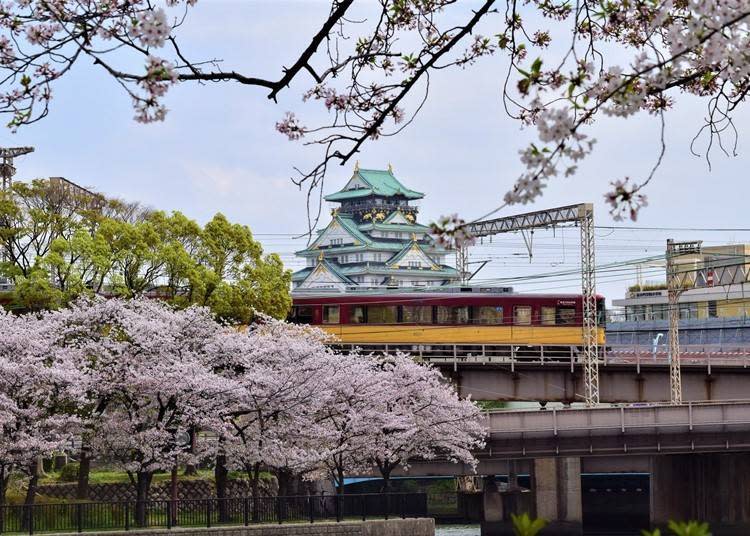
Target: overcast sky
[[218, 151]]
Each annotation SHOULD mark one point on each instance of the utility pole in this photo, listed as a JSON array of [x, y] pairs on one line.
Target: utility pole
[[588, 292], [462, 263], [7, 170], [675, 287]]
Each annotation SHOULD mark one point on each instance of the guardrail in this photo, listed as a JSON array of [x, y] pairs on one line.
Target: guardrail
[[456, 355], [626, 430], [127, 515], [689, 417]]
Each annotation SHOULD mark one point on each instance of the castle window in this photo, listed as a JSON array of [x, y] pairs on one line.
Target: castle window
[[414, 264]]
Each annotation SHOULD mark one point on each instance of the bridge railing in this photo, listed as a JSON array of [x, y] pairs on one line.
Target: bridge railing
[[649, 418], [455, 355]]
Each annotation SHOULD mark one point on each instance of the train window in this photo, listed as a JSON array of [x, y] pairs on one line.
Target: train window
[[566, 315], [712, 313], [548, 316], [522, 315], [488, 315], [382, 314], [357, 314], [444, 315], [660, 312], [302, 315], [461, 315], [331, 314], [416, 314]]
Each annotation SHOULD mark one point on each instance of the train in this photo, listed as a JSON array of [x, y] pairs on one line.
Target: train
[[462, 321]]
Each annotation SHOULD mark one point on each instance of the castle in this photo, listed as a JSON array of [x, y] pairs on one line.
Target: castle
[[373, 241]]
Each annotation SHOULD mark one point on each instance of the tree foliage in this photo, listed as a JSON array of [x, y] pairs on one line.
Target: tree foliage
[[568, 63], [59, 247]]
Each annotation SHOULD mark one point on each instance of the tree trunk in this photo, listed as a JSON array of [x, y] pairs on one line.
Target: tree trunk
[[84, 469], [284, 477], [387, 482], [191, 469], [253, 474], [142, 487], [28, 504], [220, 479], [3, 485], [340, 479], [173, 495]]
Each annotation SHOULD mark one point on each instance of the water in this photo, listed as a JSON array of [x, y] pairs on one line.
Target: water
[[457, 530]]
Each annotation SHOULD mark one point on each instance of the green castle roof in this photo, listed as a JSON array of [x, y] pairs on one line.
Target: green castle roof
[[379, 182]]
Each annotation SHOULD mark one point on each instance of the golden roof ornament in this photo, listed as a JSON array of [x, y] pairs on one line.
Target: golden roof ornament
[[320, 257], [414, 237], [390, 168]]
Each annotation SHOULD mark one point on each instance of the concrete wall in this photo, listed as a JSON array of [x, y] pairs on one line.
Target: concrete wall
[[709, 487], [380, 527]]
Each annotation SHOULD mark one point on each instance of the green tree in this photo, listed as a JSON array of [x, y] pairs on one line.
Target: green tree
[[58, 246], [32, 216], [36, 293]]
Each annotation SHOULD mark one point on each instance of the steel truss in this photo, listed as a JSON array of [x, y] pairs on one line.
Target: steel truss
[[583, 216], [7, 169], [677, 283]]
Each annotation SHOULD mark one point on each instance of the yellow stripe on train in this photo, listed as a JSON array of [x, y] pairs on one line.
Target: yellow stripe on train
[[400, 334]]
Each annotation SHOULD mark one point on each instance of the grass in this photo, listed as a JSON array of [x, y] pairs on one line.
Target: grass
[[487, 405], [112, 476]]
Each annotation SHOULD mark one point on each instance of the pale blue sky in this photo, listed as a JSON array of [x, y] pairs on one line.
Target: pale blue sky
[[218, 150]]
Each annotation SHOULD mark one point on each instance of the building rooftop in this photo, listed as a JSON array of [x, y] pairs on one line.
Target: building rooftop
[[367, 182]]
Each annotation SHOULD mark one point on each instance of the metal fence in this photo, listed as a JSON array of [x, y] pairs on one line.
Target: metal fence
[[127, 515]]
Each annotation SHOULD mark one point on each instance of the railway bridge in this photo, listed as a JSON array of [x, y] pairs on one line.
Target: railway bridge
[[626, 373], [695, 453]]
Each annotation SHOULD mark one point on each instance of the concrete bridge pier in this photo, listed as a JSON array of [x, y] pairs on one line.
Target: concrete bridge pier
[[556, 484], [555, 496], [708, 487]]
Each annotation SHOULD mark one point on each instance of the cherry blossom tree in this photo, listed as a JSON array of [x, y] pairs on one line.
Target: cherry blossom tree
[[279, 378], [143, 368], [349, 416], [417, 415], [133, 378], [568, 63], [35, 386]]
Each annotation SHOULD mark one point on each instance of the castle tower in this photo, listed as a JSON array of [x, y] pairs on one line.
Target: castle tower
[[373, 241]]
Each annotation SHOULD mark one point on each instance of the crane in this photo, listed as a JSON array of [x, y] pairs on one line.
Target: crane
[[7, 169]]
